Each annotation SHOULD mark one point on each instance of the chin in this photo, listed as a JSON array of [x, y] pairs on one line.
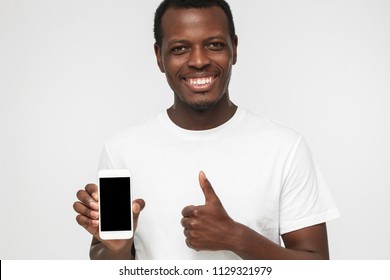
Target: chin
[[201, 107], [199, 102]]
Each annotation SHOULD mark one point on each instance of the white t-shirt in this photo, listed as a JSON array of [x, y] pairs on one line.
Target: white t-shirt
[[262, 172]]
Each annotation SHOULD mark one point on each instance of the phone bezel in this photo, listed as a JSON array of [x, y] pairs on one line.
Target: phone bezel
[[120, 234]]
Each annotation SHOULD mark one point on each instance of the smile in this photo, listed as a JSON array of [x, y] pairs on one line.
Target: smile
[[202, 83]]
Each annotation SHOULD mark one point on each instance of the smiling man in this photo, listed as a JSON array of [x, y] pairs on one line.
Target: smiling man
[[261, 183], [196, 52]]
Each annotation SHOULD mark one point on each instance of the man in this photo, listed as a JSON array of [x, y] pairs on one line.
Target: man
[[262, 182]]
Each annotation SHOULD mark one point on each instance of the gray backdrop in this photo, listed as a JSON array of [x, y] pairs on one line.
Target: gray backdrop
[[74, 72]]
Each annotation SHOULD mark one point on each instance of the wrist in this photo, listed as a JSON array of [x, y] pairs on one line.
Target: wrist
[[237, 238], [111, 250]]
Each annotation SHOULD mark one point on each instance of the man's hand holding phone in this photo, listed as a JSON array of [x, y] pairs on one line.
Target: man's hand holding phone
[[88, 216]]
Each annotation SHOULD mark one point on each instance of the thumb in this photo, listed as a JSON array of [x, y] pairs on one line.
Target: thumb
[[208, 191], [138, 206]]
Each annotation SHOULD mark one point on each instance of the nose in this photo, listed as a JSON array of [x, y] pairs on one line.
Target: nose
[[198, 58]]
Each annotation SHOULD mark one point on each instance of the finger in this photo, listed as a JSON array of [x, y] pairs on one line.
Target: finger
[[138, 206], [187, 233], [92, 190], [189, 211], [208, 191], [92, 226], [188, 243], [87, 199], [189, 223], [85, 211], [185, 223]]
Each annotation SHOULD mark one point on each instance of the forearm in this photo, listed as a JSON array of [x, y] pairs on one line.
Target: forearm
[[99, 251], [250, 245]]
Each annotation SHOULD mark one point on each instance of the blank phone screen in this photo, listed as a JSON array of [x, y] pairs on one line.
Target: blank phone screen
[[115, 204]]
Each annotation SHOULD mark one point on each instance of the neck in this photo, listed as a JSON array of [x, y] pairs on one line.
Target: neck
[[191, 119]]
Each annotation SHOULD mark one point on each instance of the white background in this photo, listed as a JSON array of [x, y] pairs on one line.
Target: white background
[[74, 72]]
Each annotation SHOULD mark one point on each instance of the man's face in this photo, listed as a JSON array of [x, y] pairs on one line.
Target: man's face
[[196, 55]]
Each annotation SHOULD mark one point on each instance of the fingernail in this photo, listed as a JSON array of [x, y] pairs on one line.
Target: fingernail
[[93, 215], [136, 208], [93, 204]]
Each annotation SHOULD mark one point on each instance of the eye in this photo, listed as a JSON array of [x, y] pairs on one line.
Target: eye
[[216, 46], [179, 50]]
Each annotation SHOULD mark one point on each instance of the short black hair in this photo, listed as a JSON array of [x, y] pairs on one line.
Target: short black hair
[[186, 4]]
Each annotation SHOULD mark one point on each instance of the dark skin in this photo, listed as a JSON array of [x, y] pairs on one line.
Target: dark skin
[[209, 227], [197, 55], [88, 217], [195, 45]]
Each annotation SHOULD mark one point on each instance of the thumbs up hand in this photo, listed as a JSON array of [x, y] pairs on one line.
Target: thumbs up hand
[[208, 226]]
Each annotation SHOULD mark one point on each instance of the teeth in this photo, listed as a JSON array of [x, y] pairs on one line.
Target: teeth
[[200, 81]]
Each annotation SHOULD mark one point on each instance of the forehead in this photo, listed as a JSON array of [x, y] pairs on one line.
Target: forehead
[[180, 23]]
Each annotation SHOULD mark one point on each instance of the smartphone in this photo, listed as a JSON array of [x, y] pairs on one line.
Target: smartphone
[[115, 204]]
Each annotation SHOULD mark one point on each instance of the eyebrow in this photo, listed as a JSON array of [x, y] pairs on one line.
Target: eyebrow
[[183, 41], [219, 37]]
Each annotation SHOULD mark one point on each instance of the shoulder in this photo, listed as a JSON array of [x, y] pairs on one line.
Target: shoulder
[[266, 128], [137, 132]]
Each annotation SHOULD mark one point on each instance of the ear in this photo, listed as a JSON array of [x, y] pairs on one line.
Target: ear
[[235, 45], [157, 52]]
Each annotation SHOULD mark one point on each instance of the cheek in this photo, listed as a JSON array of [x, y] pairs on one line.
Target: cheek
[[173, 76], [172, 69], [224, 61], [229, 62]]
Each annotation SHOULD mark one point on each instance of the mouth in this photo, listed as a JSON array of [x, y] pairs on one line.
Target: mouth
[[200, 84]]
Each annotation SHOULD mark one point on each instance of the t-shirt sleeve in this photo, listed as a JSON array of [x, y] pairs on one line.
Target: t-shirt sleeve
[[305, 198]]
